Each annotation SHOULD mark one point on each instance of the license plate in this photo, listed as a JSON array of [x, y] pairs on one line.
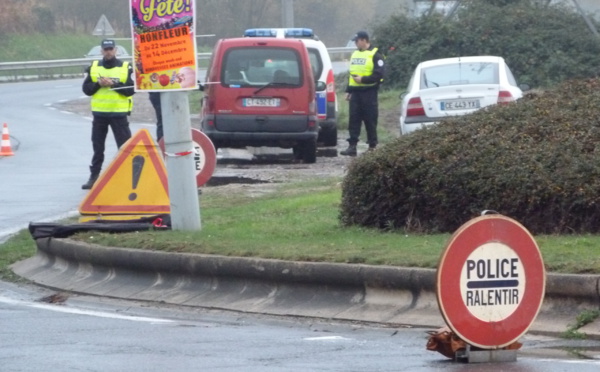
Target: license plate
[[463, 104], [262, 102]]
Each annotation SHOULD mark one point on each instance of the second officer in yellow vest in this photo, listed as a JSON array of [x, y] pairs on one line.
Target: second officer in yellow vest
[[366, 73], [109, 83]]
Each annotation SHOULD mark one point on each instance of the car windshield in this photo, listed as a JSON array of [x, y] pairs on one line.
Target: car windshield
[[461, 73], [257, 67]]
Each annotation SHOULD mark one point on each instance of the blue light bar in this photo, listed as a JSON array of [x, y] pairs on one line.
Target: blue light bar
[[260, 32], [299, 32]]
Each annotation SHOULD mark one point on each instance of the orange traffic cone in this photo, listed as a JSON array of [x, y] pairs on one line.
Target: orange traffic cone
[[5, 149]]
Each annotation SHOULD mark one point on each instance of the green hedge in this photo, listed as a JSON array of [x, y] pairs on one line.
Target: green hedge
[[542, 44], [536, 160]]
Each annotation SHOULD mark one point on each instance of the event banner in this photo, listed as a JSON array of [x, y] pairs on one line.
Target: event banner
[[164, 44]]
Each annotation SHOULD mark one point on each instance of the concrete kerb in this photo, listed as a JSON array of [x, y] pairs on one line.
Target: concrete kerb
[[382, 294]]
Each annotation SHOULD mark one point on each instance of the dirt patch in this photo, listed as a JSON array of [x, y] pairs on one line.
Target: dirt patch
[[254, 171]]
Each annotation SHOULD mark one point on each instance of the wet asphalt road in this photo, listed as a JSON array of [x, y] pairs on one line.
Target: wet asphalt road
[[42, 182], [95, 334]]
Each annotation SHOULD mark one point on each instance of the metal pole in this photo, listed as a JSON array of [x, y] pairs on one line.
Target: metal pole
[[586, 19], [453, 9], [183, 191], [287, 13]]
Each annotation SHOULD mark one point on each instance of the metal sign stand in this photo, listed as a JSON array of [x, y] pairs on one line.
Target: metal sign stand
[[485, 356]]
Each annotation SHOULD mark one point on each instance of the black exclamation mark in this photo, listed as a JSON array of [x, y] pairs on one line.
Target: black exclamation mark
[[137, 166]]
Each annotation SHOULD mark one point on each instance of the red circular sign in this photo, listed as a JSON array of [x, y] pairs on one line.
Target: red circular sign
[[491, 281], [205, 156]]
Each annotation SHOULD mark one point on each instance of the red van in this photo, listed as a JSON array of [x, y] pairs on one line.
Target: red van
[[261, 92]]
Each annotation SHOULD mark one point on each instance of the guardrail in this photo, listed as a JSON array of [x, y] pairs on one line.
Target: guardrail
[[48, 69], [58, 63]]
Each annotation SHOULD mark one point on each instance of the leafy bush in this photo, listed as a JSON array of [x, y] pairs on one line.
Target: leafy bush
[[535, 160], [543, 44]]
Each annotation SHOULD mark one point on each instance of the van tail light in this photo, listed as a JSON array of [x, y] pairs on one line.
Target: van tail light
[[330, 86], [504, 96], [415, 107]]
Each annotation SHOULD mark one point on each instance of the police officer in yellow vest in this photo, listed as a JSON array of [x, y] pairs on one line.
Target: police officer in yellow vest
[[110, 85], [366, 73]]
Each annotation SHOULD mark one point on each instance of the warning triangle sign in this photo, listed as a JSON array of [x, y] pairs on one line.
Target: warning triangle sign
[[103, 28], [134, 183]]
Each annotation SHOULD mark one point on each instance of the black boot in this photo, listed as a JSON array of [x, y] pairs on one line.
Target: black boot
[[88, 185], [350, 151]]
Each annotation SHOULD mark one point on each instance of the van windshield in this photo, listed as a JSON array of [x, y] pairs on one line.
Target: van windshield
[[257, 67]]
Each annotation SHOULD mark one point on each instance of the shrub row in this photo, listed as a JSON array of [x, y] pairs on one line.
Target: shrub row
[[536, 160]]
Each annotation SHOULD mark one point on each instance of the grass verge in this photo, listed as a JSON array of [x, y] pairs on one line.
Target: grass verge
[[586, 317], [300, 222], [17, 248]]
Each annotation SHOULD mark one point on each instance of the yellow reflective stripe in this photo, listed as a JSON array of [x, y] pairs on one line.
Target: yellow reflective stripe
[[105, 99], [121, 72], [110, 104], [361, 69]]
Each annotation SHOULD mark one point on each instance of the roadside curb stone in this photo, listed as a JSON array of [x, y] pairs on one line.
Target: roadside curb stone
[[381, 294]]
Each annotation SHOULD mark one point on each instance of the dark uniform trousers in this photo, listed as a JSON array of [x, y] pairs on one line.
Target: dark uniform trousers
[[155, 100], [120, 128], [363, 107]]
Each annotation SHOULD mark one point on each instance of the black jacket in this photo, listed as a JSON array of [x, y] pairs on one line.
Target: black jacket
[[90, 88]]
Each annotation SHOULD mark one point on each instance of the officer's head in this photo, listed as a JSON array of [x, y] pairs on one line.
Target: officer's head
[[109, 48], [361, 39]]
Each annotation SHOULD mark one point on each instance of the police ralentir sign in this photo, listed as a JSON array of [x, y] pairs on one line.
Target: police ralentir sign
[[491, 281]]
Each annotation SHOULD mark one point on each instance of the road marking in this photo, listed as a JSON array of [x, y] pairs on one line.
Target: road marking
[[567, 361], [70, 310], [327, 338]]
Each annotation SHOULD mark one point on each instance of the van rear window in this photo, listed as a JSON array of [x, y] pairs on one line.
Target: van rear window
[[459, 74], [252, 67]]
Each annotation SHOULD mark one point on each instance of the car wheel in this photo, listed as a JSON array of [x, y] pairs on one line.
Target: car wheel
[[328, 137], [309, 151]]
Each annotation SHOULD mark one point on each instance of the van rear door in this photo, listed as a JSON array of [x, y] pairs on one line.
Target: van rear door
[[264, 87]]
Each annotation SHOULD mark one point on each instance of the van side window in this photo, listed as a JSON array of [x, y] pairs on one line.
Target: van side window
[[315, 62], [260, 66]]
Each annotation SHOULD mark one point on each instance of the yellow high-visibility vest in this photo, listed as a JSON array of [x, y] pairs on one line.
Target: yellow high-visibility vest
[[361, 64], [105, 99]]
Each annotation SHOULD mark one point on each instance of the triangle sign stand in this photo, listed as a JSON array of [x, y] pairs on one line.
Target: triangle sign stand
[[135, 182]]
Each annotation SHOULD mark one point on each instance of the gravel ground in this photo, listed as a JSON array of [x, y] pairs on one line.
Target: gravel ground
[[251, 170]]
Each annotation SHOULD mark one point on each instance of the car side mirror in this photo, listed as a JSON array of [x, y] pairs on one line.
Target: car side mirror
[[200, 86], [402, 95], [321, 86], [524, 87]]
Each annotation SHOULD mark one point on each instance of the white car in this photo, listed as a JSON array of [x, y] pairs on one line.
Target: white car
[[326, 100], [456, 86]]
